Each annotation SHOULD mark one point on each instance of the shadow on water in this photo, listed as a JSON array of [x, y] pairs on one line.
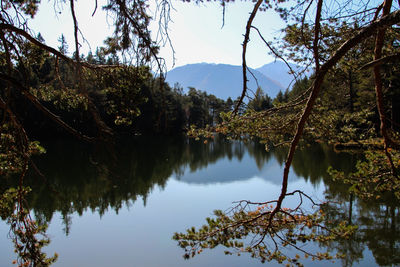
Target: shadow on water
[[79, 177]]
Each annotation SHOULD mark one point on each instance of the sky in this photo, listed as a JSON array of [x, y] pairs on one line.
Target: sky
[[196, 31]]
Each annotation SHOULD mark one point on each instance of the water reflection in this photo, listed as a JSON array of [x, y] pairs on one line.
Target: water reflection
[[378, 228], [79, 177]]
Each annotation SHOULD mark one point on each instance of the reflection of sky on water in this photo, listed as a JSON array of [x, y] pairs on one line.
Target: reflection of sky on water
[[230, 170], [140, 235]]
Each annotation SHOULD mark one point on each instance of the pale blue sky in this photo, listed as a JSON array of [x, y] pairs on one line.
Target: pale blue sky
[[195, 31]]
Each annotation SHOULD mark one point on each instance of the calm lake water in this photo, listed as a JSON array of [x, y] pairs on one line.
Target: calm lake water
[[122, 208]]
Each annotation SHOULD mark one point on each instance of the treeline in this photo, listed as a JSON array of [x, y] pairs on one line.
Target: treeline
[[131, 99]]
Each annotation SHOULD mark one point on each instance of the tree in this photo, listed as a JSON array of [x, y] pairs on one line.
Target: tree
[[260, 101], [63, 48]]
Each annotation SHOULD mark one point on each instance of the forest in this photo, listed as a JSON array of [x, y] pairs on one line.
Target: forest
[[129, 100], [351, 100]]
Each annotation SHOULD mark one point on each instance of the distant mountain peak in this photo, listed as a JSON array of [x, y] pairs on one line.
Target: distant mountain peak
[[280, 71], [221, 80]]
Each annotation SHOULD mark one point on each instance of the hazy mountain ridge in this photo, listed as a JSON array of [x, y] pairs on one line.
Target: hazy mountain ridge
[[279, 71], [223, 80]]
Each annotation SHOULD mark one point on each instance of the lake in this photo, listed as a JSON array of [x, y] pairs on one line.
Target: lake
[[120, 205]]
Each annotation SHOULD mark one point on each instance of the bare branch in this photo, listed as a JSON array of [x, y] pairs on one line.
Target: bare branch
[[380, 61], [76, 29], [292, 72], [379, 86], [223, 14], [163, 33], [303, 23], [244, 65], [144, 36], [317, 30], [95, 8], [378, 10]]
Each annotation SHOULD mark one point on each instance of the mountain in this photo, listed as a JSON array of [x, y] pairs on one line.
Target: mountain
[[221, 80], [280, 72]]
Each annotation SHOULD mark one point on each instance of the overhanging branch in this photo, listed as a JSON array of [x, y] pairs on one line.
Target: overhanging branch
[[380, 61], [11, 28], [48, 113]]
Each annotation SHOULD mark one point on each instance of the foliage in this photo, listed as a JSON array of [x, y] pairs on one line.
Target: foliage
[[272, 126], [14, 152], [374, 178], [120, 92], [27, 235]]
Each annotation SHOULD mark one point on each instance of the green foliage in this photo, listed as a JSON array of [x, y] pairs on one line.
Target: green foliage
[[131, 21], [338, 126], [281, 98], [10, 158], [374, 178], [28, 7], [27, 235], [345, 111], [128, 98], [120, 92], [272, 126], [7, 203], [299, 87], [65, 100], [13, 152]]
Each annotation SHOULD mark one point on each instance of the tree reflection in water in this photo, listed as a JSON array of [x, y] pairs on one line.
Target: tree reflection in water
[[78, 177]]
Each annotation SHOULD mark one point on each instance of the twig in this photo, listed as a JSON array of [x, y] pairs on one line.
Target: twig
[[275, 52], [95, 8]]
